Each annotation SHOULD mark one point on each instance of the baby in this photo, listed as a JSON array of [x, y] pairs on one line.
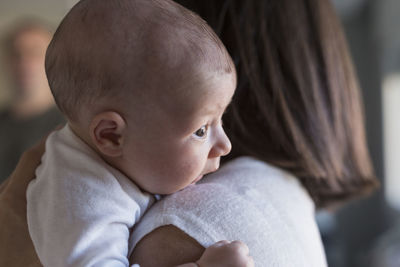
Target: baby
[[143, 84]]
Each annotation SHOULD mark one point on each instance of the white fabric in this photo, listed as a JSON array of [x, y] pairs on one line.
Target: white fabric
[[245, 200], [80, 209]]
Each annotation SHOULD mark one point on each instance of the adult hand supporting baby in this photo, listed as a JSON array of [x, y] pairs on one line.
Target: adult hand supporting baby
[[16, 248]]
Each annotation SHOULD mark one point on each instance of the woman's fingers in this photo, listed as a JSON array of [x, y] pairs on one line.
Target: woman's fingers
[[15, 188], [14, 229], [4, 184], [30, 159], [14, 192]]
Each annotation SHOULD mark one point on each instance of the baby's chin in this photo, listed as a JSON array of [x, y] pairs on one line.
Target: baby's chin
[[171, 191], [168, 191]]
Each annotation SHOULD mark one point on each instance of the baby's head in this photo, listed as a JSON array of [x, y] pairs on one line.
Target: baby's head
[[145, 83]]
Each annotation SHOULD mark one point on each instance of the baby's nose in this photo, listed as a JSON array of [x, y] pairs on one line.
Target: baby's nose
[[222, 145], [226, 145]]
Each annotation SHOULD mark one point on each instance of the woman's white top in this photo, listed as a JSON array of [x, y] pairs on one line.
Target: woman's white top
[[245, 200]]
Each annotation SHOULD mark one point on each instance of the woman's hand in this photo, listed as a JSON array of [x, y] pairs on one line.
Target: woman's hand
[[16, 248]]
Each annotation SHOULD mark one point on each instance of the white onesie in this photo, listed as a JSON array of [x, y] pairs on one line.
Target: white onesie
[[80, 209]]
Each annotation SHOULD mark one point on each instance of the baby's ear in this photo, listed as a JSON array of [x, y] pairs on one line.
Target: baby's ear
[[107, 133]]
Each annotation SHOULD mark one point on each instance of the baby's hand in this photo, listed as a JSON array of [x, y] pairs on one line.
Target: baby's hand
[[225, 253]]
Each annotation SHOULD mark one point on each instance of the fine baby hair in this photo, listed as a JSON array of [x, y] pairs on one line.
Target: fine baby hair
[[115, 49]]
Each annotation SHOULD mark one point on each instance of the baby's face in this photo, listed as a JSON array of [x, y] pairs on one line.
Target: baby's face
[[180, 138]]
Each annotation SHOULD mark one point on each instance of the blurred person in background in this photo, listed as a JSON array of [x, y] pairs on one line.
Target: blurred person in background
[[31, 112]]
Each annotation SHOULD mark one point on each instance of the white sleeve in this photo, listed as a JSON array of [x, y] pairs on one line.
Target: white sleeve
[[81, 216]]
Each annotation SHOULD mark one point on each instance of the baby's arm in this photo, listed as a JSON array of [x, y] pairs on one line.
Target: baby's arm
[[170, 246], [88, 228], [80, 210]]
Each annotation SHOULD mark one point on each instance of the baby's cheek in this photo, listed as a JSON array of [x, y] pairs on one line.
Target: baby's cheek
[[194, 169]]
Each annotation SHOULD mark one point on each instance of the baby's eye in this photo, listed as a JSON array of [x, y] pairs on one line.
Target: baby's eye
[[201, 132]]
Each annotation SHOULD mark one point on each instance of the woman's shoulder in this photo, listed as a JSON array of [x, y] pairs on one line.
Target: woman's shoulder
[[245, 181], [247, 174], [246, 199], [251, 169], [245, 187]]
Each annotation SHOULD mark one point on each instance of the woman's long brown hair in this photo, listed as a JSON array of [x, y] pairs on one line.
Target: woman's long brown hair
[[297, 104]]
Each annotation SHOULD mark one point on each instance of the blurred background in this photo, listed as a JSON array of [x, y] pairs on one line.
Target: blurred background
[[27, 110], [366, 233]]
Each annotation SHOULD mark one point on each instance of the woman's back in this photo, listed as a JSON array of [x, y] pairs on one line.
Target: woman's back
[[249, 200]]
